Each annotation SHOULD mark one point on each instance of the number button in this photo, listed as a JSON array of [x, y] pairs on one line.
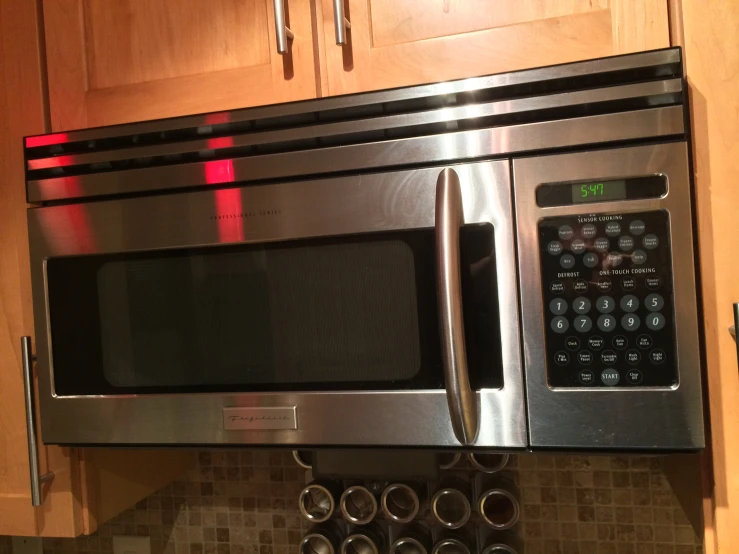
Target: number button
[[565, 232], [620, 342], [577, 246], [613, 229], [601, 244], [636, 227], [605, 304], [630, 322], [655, 321], [629, 303], [562, 358], [581, 305], [639, 257], [650, 241], [614, 259], [590, 259], [607, 323], [633, 357], [560, 324], [554, 248], [609, 357], [626, 243], [595, 342], [580, 285], [572, 343], [583, 323], [567, 261], [558, 306], [657, 356], [589, 230], [610, 377], [654, 302], [644, 341], [584, 357]]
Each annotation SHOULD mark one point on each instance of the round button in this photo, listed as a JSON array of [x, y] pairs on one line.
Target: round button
[[567, 261], [644, 341], [557, 306], [613, 229], [581, 285], [636, 227], [577, 246], [634, 376], [565, 232], [560, 324], [620, 342], [586, 377], [590, 259], [629, 303], [614, 259], [607, 323], [595, 342], [554, 248], [604, 285], [605, 304], [602, 244], [581, 305], [609, 357], [557, 287], [653, 282], [633, 356], [584, 357], [583, 323], [650, 241], [628, 283], [572, 343], [562, 358], [657, 356], [655, 321], [589, 230], [639, 257], [610, 377], [625, 243], [654, 302], [630, 322]]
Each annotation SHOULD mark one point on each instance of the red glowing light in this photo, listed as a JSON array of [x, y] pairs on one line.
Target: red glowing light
[[217, 118], [45, 163], [46, 140], [228, 210], [220, 142], [219, 171]]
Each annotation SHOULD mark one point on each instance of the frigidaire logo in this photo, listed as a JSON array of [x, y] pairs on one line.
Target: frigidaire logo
[[246, 215]]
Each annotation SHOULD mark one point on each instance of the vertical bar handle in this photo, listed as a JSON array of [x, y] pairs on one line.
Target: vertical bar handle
[[341, 23], [36, 477], [462, 400], [281, 30], [733, 329]]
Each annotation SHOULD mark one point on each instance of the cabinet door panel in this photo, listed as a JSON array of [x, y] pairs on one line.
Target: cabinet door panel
[[405, 42], [130, 60]]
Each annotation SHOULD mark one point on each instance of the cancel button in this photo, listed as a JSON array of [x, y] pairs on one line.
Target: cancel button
[[610, 377]]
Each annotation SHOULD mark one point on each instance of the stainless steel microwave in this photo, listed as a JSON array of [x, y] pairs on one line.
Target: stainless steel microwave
[[500, 262]]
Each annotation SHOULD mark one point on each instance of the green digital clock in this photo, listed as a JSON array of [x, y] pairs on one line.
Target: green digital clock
[[600, 191]]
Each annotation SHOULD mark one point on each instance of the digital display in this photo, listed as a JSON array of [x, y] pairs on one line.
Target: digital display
[[600, 191]]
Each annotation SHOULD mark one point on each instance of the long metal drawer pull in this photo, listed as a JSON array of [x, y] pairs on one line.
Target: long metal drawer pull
[[733, 329], [341, 23], [461, 398], [36, 477], [281, 30]]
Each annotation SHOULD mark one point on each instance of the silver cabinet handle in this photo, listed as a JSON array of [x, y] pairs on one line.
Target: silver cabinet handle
[[281, 30], [341, 23], [36, 478], [461, 398]]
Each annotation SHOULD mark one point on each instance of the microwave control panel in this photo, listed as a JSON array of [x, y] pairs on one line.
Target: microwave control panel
[[608, 300]]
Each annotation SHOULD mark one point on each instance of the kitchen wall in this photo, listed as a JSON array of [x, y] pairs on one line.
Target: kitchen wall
[[244, 502]]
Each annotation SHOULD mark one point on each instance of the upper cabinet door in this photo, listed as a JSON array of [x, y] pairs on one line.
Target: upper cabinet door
[[395, 43], [131, 60]]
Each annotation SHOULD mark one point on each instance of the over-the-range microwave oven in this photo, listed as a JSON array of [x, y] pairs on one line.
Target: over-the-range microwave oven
[[502, 262]]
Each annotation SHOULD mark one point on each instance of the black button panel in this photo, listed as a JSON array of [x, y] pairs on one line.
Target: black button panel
[[608, 300]]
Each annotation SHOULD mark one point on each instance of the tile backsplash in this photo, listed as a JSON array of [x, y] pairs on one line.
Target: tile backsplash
[[245, 502]]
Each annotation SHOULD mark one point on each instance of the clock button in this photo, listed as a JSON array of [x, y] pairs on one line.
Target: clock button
[[580, 285], [620, 342], [565, 232], [567, 261], [654, 302], [605, 304], [589, 230], [595, 342], [636, 227], [607, 323], [577, 246], [650, 241], [604, 285], [583, 323], [602, 244], [629, 303], [630, 322], [634, 376], [572, 343], [613, 229], [558, 306], [557, 287], [590, 259], [610, 377], [625, 243], [614, 259], [655, 321], [639, 257], [581, 305], [628, 283], [554, 248]]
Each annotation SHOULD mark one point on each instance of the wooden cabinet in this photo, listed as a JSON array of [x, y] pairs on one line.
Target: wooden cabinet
[[89, 486], [130, 60], [395, 43]]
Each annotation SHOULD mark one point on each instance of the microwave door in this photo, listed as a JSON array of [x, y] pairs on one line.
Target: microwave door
[[298, 313]]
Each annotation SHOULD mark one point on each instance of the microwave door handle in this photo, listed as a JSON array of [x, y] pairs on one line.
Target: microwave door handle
[[462, 400]]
